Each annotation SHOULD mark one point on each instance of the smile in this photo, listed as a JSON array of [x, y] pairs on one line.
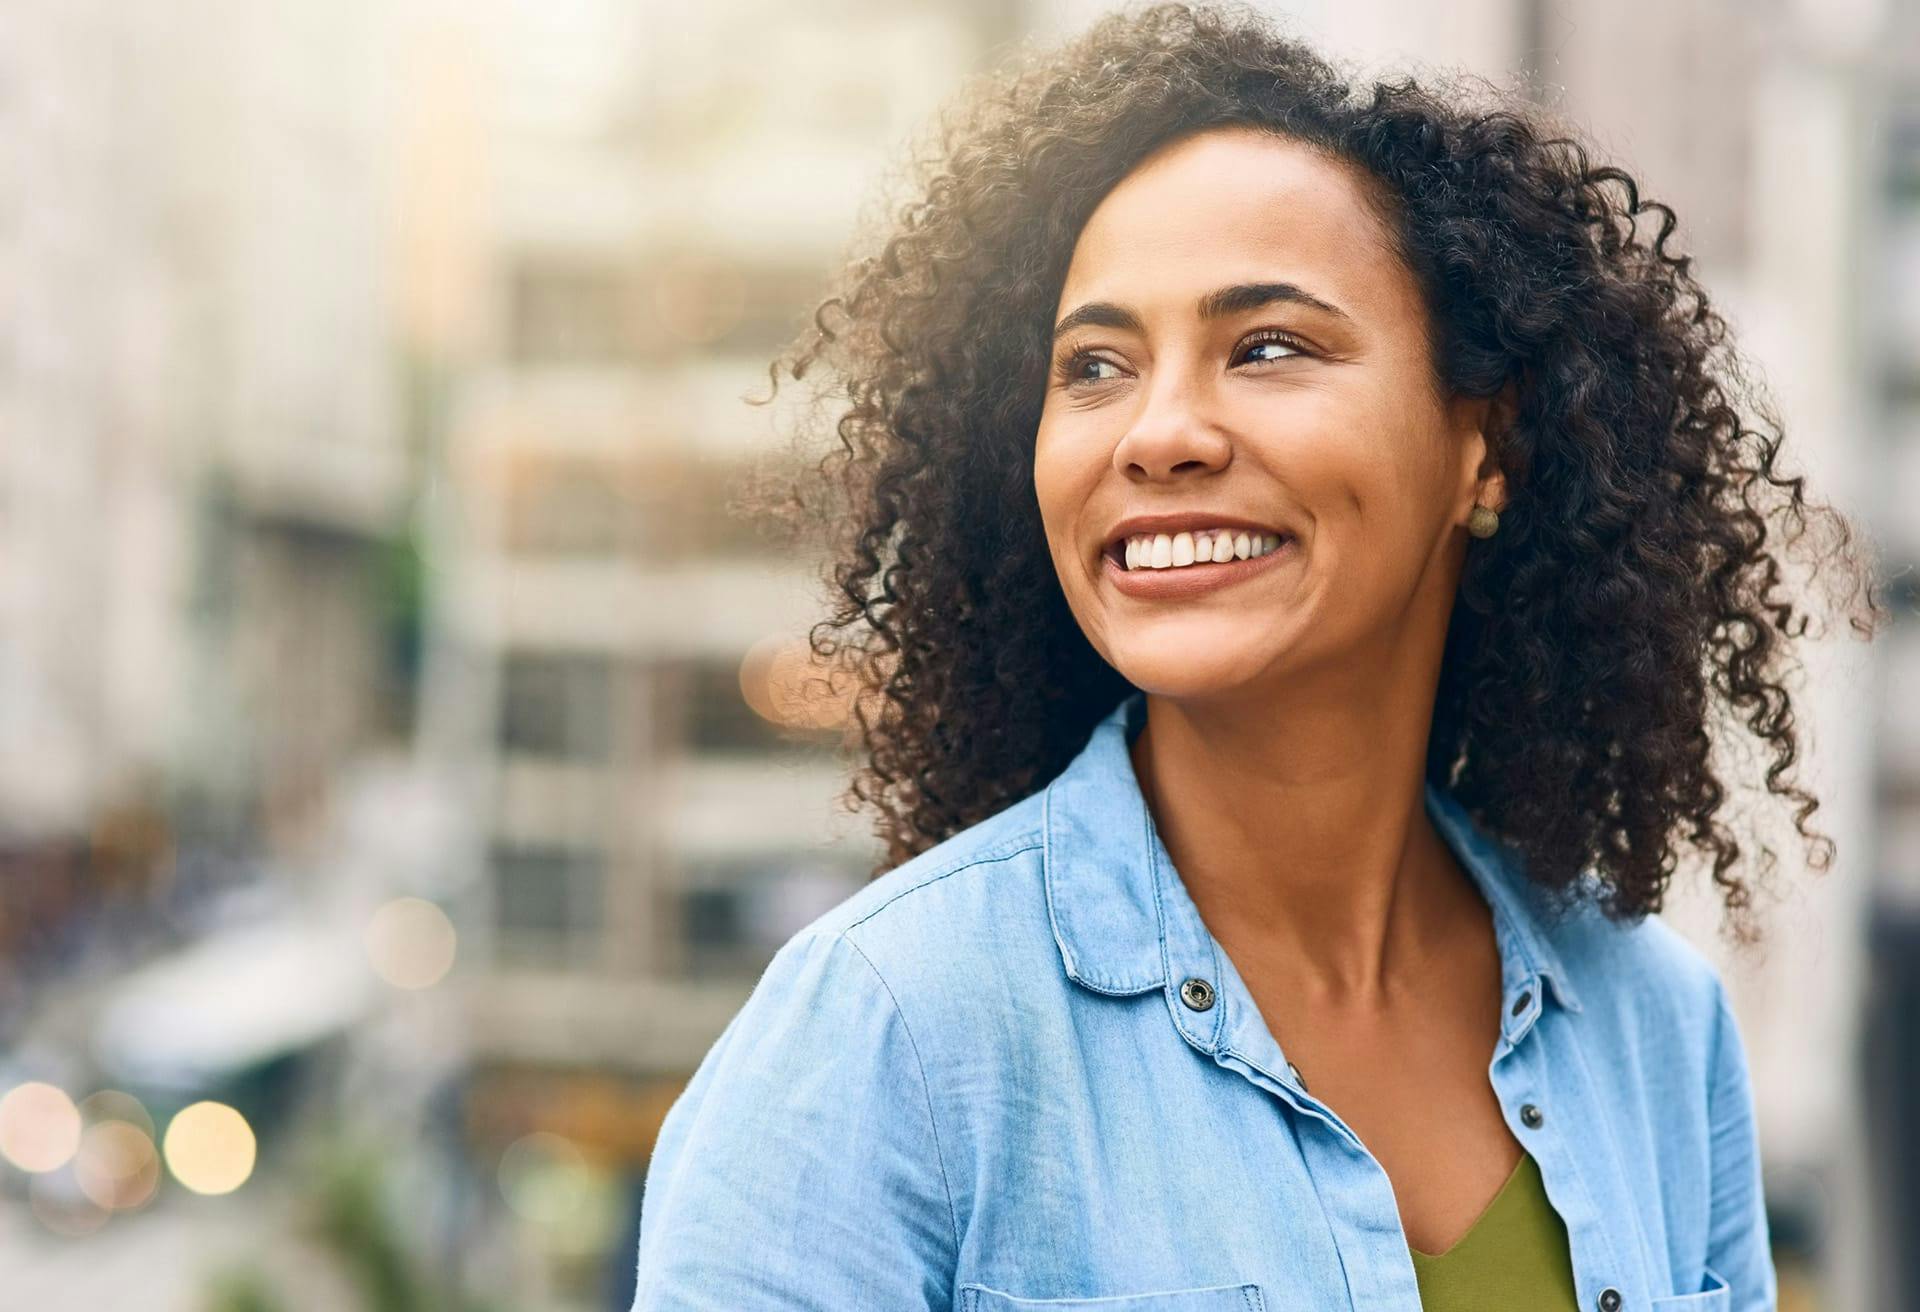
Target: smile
[[1199, 547], [1150, 581]]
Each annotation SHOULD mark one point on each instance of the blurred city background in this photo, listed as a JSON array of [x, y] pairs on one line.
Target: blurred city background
[[393, 803]]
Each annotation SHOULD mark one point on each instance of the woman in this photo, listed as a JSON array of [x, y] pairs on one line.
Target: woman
[[1297, 537]]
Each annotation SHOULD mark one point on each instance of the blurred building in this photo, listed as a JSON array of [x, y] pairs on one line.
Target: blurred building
[[203, 585], [1887, 274], [194, 502], [660, 206]]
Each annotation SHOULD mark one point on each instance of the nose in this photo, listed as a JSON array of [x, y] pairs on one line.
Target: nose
[[1172, 437]]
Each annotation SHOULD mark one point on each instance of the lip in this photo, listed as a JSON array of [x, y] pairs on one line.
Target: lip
[[1191, 580]]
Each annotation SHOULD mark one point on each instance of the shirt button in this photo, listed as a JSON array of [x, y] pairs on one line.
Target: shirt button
[[1520, 1003], [1196, 993], [1610, 1299], [1532, 1117]]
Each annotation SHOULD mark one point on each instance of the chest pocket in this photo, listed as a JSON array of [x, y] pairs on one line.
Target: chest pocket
[[1212, 1298], [1714, 1296]]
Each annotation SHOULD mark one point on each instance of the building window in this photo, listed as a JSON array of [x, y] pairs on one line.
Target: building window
[[735, 912], [557, 705], [546, 898], [713, 925], [569, 311], [570, 508], [711, 303], [702, 711], [578, 309], [678, 512], [693, 511]]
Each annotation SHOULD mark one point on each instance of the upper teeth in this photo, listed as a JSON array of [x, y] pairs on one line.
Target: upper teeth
[[1169, 551]]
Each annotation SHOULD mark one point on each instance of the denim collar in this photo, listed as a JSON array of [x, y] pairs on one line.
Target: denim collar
[[1125, 924]]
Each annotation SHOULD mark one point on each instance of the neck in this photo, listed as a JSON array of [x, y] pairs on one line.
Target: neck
[[1298, 826]]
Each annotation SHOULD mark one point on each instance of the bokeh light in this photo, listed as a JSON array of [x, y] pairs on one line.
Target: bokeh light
[[411, 943], [785, 685], [556, 1188], [210, 1148], [62, 1206], [117, 1166], [117, 1105], [39, 1127]]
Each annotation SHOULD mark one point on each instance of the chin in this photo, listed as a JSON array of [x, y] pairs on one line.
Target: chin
[[1175, 674]]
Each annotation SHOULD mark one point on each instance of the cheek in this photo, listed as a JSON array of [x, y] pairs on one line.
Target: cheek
[[1066, 473], [1061, 480], [1368, 493], [1377, 510], [1373, 460]]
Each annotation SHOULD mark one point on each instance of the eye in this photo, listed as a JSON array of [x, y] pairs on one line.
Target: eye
[[1272, 337], [1070, 368]]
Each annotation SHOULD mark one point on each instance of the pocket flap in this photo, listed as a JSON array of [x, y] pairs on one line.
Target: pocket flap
[[1714, 1295]]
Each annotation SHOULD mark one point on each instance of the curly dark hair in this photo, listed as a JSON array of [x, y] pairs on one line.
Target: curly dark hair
[[1635, 582]]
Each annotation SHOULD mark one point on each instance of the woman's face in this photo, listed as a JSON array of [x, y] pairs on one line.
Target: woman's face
[[1241, 349]]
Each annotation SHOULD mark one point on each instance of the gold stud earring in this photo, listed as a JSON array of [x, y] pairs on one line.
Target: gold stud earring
[[1483, 521]]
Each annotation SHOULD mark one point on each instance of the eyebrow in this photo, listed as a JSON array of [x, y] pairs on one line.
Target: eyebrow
[[1217, 304]]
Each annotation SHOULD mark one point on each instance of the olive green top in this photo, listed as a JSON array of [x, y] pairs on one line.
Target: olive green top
[[1515, 1256]]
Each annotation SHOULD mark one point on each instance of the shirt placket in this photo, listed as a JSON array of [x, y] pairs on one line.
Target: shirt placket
[[1546, 1096], [1215, 1012]]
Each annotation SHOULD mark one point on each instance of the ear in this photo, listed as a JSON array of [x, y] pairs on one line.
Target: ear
[[1493, 416]]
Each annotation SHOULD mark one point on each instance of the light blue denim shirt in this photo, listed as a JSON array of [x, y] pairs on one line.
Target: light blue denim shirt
[[989, 1080]]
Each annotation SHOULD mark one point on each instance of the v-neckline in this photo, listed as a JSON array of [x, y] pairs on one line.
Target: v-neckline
[[1492, 1203]]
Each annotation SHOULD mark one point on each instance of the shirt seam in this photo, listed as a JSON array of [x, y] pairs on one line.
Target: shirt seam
[[1027, 842], [926, 1085], [1713, 1068], [1720, 1016]]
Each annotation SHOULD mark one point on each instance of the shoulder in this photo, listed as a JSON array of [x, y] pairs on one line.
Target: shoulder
[[895, 970], [883, 987], [1653, 992], [852, 1008], [823, 1079], [1625, 953], [938, 906], [1634, 961]]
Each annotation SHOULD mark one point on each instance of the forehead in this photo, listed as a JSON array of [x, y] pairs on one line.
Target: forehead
[[1234, 204]]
